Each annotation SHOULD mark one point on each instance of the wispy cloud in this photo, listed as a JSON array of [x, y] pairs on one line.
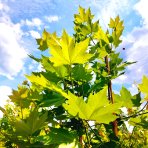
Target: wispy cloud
[[52, 18], [35, 34], [34, 22]]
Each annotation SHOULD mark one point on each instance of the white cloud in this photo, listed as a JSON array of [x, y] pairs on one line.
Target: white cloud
[[53, 18], [34, 34], [3, 7], [4, 96], [35, 22], [138, 52], [110, 8], [12, 54], [120, 80], [142, 9]]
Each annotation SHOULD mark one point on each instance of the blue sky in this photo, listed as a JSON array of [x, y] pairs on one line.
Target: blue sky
[[21, 21]]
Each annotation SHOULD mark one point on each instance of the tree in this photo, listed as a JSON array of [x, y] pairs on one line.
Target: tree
[[71, 101]]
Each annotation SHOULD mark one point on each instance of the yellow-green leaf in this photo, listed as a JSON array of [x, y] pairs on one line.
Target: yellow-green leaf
[[101, 35], [67, 52], [96, 108], [144, 87]]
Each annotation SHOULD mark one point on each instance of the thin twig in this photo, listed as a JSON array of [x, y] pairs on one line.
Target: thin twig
[[86, 133], [93, 131], [135, 115]]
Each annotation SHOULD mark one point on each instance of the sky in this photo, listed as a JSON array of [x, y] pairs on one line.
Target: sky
[[21, 21]]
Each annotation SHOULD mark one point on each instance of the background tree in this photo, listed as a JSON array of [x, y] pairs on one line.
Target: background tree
[[71, 101]]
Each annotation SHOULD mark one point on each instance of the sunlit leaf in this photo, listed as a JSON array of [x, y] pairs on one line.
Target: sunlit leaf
[[67, 52], [92, 111], [101, 35], [126, 97], [117, 29], [144, 87]]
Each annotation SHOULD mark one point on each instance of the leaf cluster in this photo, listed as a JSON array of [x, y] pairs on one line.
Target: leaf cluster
[[68, 103]]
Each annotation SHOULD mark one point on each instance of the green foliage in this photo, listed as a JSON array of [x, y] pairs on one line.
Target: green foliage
[[34, 122], [70, 103]]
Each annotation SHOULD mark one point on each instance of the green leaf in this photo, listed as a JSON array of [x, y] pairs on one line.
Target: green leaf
[[42, 81], [57, 136], [21, 128], [100, 111], [52, 98], [61, 71], [51, 76], [42, 42], [20, 96], [126, 97], [77, 106], [117, 27], [102, 52], [31, 124], [101, 35], [136, 99], [140, 121], [35, 95], [34, 58], [36, 121], [81, 74], [144, 87], [83, 16], [67, 52]]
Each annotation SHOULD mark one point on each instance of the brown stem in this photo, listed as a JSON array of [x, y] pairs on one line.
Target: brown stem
[[110, 96], [81, 141]]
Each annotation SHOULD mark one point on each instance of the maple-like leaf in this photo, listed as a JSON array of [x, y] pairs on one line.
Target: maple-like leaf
[[61, 71], [101, 35], [66, 52], [97, 107], [117, 26], [34, 122], [20, 96], [83, 16], [42, 81], [126, 97]]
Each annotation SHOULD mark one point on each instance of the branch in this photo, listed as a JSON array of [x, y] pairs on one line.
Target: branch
[[143, 107], [134, 115], [93, 131], [92, 39], [86, 133]]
